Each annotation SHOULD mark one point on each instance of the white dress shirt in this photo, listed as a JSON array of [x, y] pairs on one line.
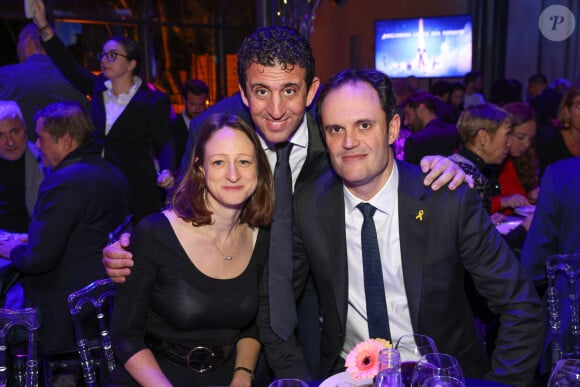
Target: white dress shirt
[[114, 105], [298, 153], [387, 224]]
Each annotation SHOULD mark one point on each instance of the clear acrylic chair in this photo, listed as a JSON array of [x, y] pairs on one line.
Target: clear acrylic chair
[[99, 294], [27, 318], [563, 277]]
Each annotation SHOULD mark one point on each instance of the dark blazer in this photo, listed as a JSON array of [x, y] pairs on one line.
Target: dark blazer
[[141, 129], [455, 235], [554, 229], [79, 203], [35, 83], [180, 132]]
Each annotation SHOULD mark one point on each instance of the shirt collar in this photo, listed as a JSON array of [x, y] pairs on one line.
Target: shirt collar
[[123, 98], [384, 200], [299, 138]]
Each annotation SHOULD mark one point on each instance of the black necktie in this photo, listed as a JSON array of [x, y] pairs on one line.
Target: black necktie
[[377, 314], [282, 304]]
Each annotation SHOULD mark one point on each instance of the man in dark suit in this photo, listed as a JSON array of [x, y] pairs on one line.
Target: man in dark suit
[[195, 95], [430, 134], [79, 203], [427, 240]]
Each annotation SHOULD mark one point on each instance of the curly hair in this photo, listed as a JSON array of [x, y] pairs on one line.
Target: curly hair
[[189, 198], [275, 46]]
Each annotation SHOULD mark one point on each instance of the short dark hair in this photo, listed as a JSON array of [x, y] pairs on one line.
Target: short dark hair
[[189, 198], [538, 79], [378, 80], [440, 88], [421, 98], [471, 77], [195, 87], [275, 46], [61, 118], [131, 50]]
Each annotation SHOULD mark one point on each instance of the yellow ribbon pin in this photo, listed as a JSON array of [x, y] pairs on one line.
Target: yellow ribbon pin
[[420, 215]]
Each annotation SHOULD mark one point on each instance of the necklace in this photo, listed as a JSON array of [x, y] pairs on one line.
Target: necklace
[[226, 257]]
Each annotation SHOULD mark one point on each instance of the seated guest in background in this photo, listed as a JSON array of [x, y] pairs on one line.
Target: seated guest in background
[[35, 82], [560, 85], [473, 82], [445, 110], [20, 170], [197, 269], [429, 237], [554, 230], [131, 120], [485, 132], [456, 95], [195, 94], [80, 202], [543, 99], [518, 174], [561, 139], [504, 91], [430, 134]]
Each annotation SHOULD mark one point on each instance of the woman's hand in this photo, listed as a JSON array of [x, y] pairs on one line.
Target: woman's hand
[[241, 379], [513, 201], [165, 179]]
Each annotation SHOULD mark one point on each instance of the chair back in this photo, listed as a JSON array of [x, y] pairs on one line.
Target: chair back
[[95, 294], [563, 276], [27, 318]]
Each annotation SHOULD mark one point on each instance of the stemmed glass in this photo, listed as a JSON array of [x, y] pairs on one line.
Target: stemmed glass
[[411, 347], [443, 381], [566, 373], [288, 383], [436, 364]]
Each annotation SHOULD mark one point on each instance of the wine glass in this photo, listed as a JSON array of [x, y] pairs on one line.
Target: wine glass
[[411, 347], [288, 383], [436, 364], [566, 373]]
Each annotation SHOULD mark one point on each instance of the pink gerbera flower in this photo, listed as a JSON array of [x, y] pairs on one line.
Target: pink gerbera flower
[[362, 362]]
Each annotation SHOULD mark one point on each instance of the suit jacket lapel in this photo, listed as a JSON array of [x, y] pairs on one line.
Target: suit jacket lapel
[[317, 159], [331, 203], [414, 217]]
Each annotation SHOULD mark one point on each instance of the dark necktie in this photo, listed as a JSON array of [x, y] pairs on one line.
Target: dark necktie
[[282, 304], [377, 314]]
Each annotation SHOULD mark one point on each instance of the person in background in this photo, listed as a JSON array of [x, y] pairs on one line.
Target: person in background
[[35, 82], [561, 139], [198, 267], [543, 99], [430, 134], [131, 120], [473, 82], [79, 203], [504, 91], [456, 96], [21, 170], [554, 230], [195, 94], [277, 83], [445, 110], [518, 174], [429, 237], [560, 85]]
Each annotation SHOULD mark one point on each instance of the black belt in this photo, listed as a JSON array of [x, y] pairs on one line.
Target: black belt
[[200, 358]]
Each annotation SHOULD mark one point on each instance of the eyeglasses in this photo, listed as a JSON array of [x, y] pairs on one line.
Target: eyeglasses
[[110, 55]]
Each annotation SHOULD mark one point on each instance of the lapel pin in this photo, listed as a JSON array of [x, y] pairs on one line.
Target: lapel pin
[[420, 215]]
